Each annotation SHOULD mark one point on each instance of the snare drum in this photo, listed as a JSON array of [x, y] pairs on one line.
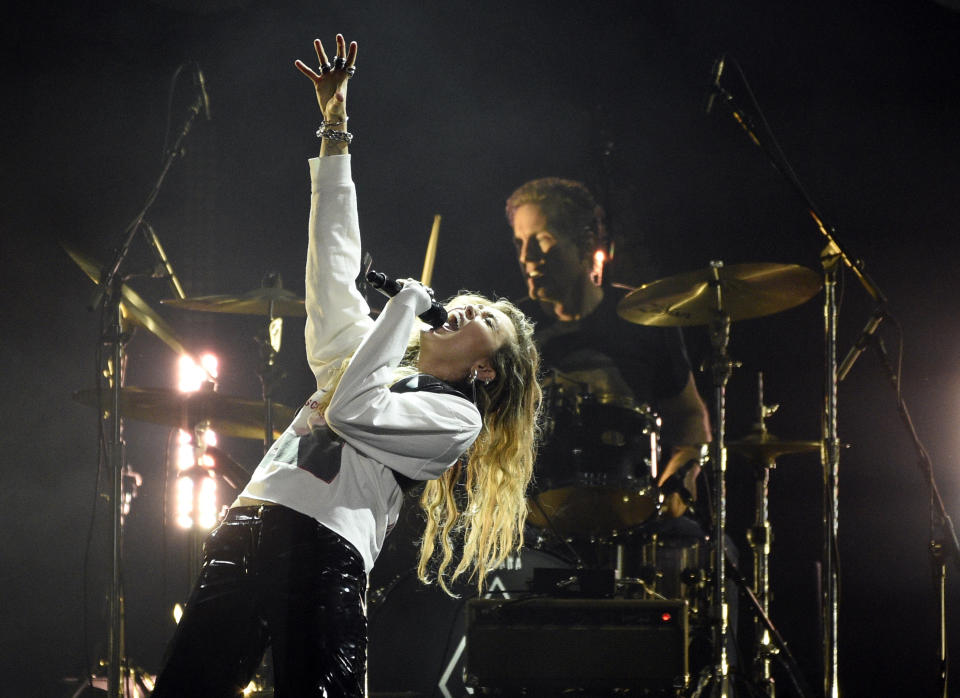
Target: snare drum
[[596, 471]]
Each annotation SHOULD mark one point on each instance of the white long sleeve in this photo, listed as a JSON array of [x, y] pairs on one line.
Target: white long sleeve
[[337, 315], [339, 468]]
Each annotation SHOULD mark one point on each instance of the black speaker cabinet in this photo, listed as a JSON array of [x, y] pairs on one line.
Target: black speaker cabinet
[[537, 646]]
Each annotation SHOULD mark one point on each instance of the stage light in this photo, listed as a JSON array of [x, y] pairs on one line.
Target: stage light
[[177, 613], [183, 502], [185, 457], [191, 375], [210, 364], [206, 510], [196, 486], [195, 502], [207, 437]]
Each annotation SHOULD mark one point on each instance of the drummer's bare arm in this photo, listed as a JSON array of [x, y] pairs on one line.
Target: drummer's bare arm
[[331, 89], [686, 424]]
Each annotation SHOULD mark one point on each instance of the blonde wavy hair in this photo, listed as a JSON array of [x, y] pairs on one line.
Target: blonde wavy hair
[[489, 512]]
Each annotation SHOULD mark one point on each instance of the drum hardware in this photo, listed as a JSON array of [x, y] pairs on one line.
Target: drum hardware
[[228, 416], [715, 297], [762, 449], [234, 474], [132, 307], [677, 571], [777, 648], [581, 582], [557, 536]]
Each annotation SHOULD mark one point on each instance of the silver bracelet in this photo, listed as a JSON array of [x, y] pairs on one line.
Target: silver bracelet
[[331, 135], [327, 124]]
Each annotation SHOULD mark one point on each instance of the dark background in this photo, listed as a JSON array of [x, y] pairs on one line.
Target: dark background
[[453, 106]]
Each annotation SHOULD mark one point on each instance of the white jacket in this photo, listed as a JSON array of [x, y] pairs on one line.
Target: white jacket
[[347, 483]]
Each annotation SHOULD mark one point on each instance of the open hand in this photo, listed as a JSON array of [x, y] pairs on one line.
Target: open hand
[[331, 81]]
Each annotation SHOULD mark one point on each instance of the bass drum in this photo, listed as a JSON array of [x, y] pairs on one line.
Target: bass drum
[[417, 633], [596, 471]]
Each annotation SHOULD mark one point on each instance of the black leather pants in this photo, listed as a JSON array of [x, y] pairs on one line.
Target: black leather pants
[[271, 575]]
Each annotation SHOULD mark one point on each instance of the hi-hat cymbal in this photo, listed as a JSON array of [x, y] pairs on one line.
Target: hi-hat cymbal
[[765, 447], [228, 416], [133, 307], [747, 291], [259, 301]]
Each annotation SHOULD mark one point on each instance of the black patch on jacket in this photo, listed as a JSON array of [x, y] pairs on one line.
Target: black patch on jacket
[[426, 383], [319, 453]]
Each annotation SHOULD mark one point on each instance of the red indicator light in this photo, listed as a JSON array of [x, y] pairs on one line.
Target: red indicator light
[[666, 617]]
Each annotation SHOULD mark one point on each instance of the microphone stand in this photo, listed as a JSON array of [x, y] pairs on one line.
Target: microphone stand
[[107, 297], [943, 536], [834, 254]]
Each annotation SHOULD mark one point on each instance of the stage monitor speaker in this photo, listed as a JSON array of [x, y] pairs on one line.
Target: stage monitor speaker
[[537, 646]]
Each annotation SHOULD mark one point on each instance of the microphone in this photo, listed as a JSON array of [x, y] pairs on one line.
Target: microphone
[[865, 336], [436, 316], [715, 73], [163, 270], [200, 82]]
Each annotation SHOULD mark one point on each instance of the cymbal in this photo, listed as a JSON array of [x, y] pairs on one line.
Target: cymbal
[[255, 302], [133, 307], [748, 291], [766, 447], [228, 416]]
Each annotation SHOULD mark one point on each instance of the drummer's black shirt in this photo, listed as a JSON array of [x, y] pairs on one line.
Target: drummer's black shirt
[[602, 353]]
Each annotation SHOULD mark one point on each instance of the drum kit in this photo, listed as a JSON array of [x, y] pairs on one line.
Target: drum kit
[[599, 535], [597, 491]]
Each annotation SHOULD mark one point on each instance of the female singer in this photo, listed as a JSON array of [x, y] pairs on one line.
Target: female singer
[[396, 403]]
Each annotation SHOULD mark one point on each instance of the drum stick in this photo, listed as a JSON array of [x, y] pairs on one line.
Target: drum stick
[[431, 255]]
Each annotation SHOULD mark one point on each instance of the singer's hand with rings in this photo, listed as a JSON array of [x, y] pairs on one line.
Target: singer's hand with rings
[[331, 81], [422, 294]]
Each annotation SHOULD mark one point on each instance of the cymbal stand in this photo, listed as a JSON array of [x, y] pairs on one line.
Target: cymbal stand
[[721, 369], [830, 458], [760, 538]]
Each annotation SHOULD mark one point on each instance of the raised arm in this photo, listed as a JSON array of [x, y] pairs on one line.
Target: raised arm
[[331, 88], [337, 315]]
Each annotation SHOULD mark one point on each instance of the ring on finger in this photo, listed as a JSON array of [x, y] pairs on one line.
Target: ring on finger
[[351, 69], [339, 62], [325, 68]]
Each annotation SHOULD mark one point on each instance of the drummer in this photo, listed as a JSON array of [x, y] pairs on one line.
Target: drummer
[[558, 229]]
